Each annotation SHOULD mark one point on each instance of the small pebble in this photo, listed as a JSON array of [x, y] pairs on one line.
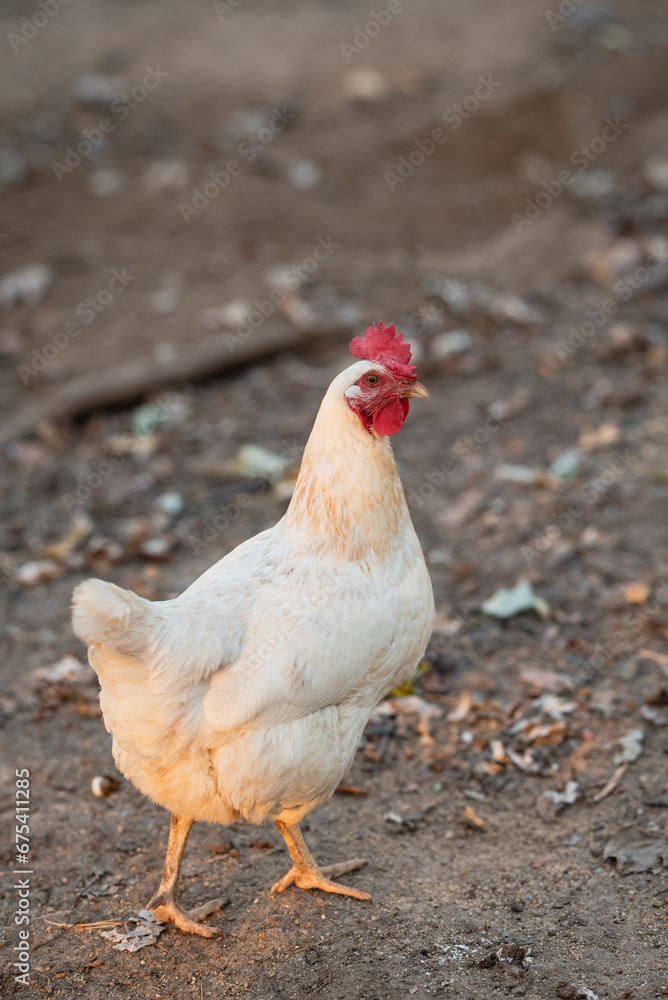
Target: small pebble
[[170, 503], [97, 88], [28, 285], [105, 182], [166, 175], [366, 85], [304, 175], [448, 344], [103, 785]]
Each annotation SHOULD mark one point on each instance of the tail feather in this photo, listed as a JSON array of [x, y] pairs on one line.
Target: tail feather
[[119, 619]]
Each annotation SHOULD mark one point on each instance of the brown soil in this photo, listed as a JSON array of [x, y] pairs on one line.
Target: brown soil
[[521, 905]]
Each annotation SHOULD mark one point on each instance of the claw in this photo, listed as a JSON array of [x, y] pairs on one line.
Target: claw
[[168, 911], [318, 878]]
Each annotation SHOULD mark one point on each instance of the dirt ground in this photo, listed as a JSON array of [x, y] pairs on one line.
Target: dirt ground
[[491, 827]]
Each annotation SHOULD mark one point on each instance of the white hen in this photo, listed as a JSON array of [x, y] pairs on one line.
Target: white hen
[[247, 695]]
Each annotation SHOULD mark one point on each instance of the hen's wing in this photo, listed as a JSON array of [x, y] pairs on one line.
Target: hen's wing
[[316, 636], [181, 642]]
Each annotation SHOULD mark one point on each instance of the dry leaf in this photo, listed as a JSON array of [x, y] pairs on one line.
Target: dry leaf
[[61, 549], [651, 654], [548, 735], [42, 571], [632, 746], [425, 711], [461, 709], [68, 670], [525, 762], [351, 790], [546, 808], [548, 680], [612, 783], [637, 851], [472, 820], [550, 803], [147, 931], [602, 437]]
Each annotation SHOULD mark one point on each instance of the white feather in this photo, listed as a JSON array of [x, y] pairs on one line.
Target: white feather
[[248, 694]]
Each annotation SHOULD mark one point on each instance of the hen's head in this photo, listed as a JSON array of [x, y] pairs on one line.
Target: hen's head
[[379, 396]]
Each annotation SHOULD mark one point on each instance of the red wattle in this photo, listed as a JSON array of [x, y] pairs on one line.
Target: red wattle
[[389, 420]]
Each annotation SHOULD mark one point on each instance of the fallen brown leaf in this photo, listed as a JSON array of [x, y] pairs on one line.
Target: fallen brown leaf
[[651, 654], [548, 680], [637, 851], [461, 709], [470, 818]]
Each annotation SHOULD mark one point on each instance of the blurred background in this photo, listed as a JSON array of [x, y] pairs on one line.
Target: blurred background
[[201, 205]]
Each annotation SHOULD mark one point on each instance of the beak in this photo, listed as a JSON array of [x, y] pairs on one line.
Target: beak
[[414, 390]]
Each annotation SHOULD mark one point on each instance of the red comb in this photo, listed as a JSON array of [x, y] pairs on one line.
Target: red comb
[[383, 344]]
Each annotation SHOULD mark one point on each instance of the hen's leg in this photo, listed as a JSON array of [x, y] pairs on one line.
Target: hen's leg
[[164, 903], [305, 871]]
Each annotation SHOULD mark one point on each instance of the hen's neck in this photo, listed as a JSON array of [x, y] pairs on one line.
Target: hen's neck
[[348, 498]]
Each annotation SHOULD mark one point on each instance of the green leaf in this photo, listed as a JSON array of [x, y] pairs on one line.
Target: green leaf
[[566, 465], [513, 601]]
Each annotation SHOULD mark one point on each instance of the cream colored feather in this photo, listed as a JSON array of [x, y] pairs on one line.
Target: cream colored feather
[[247, 695]]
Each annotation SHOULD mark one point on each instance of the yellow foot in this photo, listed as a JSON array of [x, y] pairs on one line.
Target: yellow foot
[[166, 909], [321, 878]]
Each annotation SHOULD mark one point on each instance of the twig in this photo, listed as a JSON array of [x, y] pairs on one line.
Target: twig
[[315, 944], [166, 951], [126, 382], [651, 654], [466, 641], [78, 896], [93, 925], [611, 784]]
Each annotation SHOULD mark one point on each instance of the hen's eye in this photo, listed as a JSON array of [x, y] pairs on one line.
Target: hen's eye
[[372, 380]]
